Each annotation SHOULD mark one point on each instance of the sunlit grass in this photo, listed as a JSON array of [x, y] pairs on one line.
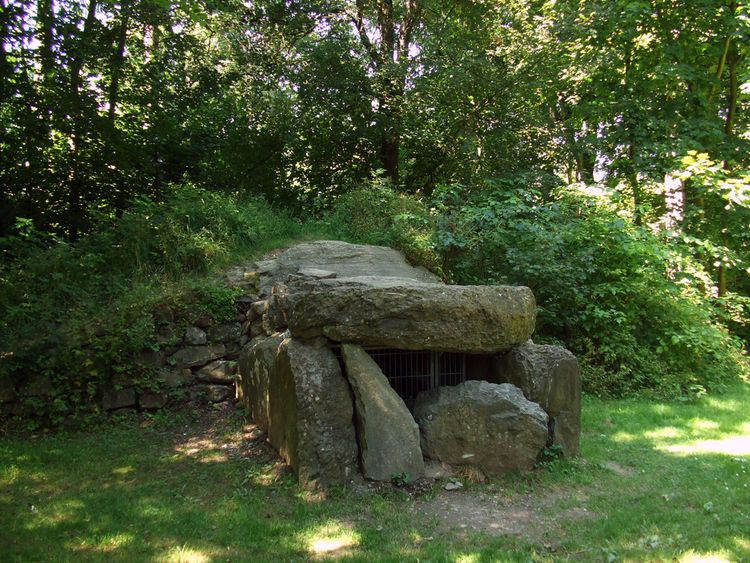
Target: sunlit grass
[[184, 554], [732, 445], [656, 482], [330, 538], [712, 557]]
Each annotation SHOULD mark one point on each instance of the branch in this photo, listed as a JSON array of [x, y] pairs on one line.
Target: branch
[[411, 16], [358, 21]]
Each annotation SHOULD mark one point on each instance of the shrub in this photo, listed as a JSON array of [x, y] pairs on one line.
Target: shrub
[[376, 214], [623, 300], [75, 315]]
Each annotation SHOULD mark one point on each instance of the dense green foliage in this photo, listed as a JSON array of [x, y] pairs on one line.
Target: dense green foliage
[[596, 151], [619, 296], [76, 315]]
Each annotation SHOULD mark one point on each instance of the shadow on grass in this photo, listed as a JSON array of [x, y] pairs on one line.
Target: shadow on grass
[[187, 492], [685, 491]]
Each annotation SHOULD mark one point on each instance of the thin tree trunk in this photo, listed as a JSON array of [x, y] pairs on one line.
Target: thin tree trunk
[[45, 19], [731, 112], [118, 59], [388, 59], [76, 138], [633, 178]]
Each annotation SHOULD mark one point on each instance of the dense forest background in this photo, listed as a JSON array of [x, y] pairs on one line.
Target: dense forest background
[[594, 150]]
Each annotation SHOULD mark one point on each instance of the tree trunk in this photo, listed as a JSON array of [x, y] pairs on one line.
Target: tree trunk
[[633, 179], [152, 60], [388, 62], [76, 138], [118, 59], [732, 61]]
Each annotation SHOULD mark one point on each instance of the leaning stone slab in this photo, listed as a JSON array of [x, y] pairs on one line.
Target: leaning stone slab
[[388, 435], [550, 376], [340, 259], [406, 314], [257, 363], [311, 412], [480, 423]]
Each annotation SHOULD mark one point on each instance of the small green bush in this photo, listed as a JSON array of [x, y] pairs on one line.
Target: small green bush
[[377, 214]]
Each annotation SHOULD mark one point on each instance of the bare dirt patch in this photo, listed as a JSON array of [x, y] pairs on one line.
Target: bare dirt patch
[[618, 469], [532, 517]]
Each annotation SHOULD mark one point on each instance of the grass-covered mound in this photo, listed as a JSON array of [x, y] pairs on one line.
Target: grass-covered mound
[[635, 310], [74, 315]]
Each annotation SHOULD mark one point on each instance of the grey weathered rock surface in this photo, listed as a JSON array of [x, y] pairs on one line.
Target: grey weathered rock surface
[[224, 332], [217, 393], [151, 400], [192, 356], [257, 362], [310, 413], [341, 259], [479, 423], [405, 314], [219, 371], [387, 433], [118, 398], [175, 377], [550, 376], [195, 336]]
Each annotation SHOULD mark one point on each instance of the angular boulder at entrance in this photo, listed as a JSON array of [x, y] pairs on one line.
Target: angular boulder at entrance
[[311, 412], [388, 435], [478, 423], [550, 376], [411, 315]]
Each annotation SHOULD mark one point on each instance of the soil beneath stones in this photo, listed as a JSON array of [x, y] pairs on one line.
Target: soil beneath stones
[[532, 517], [526, 516]]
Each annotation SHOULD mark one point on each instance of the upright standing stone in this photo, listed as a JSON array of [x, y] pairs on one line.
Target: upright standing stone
[[388, 435], [311, 413], [550, 376]]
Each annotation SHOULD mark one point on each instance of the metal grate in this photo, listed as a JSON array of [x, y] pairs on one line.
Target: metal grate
[[412, 371]]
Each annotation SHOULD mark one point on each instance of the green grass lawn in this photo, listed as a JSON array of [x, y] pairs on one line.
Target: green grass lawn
[[655, 482]]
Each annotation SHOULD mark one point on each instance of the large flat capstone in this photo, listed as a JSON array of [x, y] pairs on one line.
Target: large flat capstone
[[484, 424], [388, 435], [407, 314], [332, 258]]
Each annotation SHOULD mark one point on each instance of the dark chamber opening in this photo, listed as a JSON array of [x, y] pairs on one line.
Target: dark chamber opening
[[412, 371]]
